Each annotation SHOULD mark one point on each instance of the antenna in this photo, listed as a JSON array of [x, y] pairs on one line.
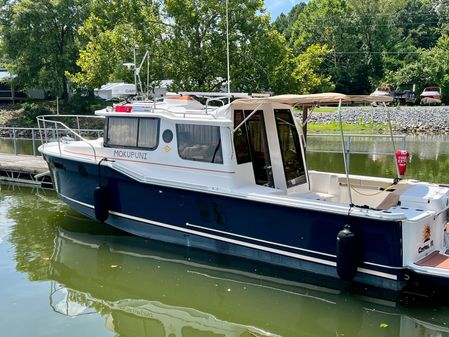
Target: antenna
[[135, 65], [227, 50], [137, 69]]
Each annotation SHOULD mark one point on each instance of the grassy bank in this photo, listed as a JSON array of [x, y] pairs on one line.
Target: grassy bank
[[334, 127]]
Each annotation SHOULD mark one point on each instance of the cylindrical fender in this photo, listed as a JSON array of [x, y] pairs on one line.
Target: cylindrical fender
[[102, 203], [347, 258]]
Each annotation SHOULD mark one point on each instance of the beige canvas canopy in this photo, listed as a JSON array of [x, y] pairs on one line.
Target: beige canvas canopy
[[315, 99]]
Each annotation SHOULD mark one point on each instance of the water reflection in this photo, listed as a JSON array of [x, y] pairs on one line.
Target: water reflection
[[143, 288], [429, 157]]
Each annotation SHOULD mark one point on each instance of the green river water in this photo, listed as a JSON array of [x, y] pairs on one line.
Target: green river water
[[64, 275]]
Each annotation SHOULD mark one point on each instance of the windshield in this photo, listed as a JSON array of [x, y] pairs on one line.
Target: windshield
[[290, 148]]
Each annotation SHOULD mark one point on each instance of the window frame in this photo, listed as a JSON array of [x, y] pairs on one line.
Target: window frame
[[106, 143], [302, 179], [220, 143]]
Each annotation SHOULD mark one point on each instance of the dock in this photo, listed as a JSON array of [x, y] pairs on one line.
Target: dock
[[24, 169]]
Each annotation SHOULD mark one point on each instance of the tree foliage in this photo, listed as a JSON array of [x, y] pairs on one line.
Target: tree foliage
[[198, 46], [39, 40], [347, 45], [110, 33], [371, 41], [431, 67], [284, 23], [308, 74]]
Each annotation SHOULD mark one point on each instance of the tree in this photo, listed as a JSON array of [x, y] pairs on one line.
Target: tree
[[430, 68], [40, 41], [328, 22], [441, 8], [363, 35], [308, 73], [284, 23], [197, 43], [111, 32], [258, 54], [418, 22]]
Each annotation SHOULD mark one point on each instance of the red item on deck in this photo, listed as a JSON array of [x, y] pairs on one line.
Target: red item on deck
[[401, 160], [123, 108]]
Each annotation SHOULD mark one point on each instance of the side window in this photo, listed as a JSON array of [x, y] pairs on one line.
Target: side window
[[122, 131], [148, 133], [199, 143], [132, 132]]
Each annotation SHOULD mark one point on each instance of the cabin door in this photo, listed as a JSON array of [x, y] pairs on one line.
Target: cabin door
[[251, 145]]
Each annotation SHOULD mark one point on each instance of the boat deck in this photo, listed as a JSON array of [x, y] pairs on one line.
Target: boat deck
[[436, 260]]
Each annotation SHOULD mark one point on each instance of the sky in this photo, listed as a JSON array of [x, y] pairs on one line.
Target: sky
[[276, 7]]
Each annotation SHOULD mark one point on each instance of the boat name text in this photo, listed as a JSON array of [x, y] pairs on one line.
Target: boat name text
[[130, 154]]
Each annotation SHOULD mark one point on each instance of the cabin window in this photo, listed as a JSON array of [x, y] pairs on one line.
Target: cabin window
[[290, 148], [132, 132], [251, 145], [148, 133], [199, 143]]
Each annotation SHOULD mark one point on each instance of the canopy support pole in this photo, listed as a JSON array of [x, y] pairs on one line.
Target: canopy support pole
[[344, 153], [303, 145], [249, 116], [305, 116]]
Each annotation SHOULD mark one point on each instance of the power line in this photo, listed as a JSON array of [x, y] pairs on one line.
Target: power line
[[376, 52]]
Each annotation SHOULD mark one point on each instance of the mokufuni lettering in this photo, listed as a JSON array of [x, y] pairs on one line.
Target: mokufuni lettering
[[130, 154]]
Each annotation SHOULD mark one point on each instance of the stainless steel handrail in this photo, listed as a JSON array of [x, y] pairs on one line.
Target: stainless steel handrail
[[13, 135], [44, 119]]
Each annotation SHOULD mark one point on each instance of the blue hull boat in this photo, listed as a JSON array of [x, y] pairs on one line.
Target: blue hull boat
[[233, 180]]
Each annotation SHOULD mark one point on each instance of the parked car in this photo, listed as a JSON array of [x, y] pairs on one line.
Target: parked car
[[431, 96]]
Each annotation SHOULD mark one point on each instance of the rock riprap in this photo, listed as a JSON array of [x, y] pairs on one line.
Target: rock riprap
[[410, 120]]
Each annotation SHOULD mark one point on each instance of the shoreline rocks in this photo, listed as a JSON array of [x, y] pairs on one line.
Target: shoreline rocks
[[409, 120]]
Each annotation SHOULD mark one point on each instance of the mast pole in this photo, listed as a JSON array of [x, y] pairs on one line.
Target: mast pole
[[344, 153], [135, 67], [227, 52]]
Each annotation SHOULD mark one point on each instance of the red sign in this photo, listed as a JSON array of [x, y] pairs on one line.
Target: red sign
[[401, 160]]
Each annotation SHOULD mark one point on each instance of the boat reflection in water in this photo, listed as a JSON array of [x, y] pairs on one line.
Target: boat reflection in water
[[145, 288]]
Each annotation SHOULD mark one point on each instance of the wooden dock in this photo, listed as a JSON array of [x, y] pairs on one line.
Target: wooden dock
[[24, 169]]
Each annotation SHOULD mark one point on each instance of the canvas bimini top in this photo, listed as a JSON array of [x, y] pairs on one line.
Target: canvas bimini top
[[315, 99]]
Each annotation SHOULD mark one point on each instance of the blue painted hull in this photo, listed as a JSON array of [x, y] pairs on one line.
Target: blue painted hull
[[300, 239]]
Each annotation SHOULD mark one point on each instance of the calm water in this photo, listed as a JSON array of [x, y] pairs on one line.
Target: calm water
[[429, 157], [64, 275]]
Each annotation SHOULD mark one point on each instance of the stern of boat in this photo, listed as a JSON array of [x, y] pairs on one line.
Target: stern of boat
[[426, 233]]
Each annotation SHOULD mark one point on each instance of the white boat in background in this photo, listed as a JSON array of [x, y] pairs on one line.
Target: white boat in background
[[384, 90], [233, 179], [111, 91], [431, 96]]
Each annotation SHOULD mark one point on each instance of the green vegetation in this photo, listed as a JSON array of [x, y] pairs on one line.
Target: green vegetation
[[325, 109], [349, 46], [24, 114], [334, 127]]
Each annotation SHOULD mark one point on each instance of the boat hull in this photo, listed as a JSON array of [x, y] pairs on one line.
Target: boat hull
[[297, 238]]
